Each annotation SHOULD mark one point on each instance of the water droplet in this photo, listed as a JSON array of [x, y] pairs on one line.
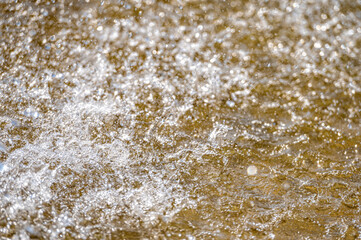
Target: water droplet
[[252, 170], [32, 33], [3, 167], [230, 103], [32, 232], [48, 46], [29, 112], [3, 148], [15, 123], [286, 186]]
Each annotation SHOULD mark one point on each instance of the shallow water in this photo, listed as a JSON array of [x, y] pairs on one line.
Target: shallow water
[[180, 119]]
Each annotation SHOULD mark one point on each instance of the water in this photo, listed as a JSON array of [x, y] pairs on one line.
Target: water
[[180, 119]]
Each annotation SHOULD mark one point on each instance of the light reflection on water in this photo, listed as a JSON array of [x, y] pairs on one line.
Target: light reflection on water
[[180, 119]]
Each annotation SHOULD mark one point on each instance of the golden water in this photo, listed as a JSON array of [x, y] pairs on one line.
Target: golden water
[[148, 119]]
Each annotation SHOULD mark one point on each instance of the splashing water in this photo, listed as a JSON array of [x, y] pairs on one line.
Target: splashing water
[[180, 119]]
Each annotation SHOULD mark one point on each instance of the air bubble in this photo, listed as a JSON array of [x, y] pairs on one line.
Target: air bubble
[[252, 170]]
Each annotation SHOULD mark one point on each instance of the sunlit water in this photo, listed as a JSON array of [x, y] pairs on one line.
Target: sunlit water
[[180, 119]]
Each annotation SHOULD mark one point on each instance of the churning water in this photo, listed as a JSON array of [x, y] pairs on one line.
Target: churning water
[[198, 119]]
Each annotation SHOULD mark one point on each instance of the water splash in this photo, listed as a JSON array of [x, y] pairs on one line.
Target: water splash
[[149, 119]]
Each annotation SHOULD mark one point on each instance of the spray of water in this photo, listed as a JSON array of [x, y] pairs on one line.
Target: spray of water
[[180, 119]]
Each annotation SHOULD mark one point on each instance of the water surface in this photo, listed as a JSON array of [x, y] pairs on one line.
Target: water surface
[[180, 119]]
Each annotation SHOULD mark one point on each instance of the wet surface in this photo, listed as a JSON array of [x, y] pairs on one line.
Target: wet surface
[[180, 119]]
